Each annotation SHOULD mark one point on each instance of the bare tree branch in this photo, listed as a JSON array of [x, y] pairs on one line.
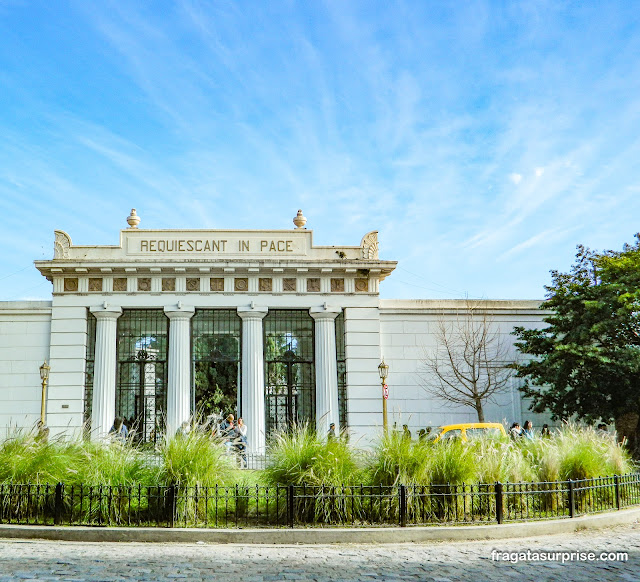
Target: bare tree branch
[[469, 363]]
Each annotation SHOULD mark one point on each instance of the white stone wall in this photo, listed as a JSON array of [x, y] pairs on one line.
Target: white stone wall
[[399, 331], [24, 345], [362, 351], [407, 330], [68, 360]]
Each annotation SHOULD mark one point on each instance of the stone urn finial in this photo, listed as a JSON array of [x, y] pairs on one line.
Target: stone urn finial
[[299, 220], [133, 219]]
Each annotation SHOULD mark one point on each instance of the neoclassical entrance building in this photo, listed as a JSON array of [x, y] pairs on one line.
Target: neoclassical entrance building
[[262, 324]]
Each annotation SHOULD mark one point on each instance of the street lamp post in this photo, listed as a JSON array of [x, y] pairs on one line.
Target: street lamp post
[[384, 372], [44, 376]]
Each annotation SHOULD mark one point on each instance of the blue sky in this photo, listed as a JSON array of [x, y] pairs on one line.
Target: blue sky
[[483, 140]]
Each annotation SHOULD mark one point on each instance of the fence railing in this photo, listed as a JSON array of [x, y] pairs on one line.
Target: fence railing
[[319, 506]]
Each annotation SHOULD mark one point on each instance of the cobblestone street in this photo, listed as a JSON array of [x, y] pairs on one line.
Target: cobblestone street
[[472, 561]]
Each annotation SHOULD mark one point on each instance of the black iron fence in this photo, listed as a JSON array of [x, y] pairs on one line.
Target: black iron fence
[[314, 506]]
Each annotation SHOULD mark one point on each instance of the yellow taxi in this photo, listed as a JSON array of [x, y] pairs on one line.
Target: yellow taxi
[[470, 430]]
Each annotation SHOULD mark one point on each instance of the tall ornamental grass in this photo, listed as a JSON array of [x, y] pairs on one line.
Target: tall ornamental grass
[[301, 456], [196, 460], [396, 459], [586, 453], [24, 458], [499, 459]]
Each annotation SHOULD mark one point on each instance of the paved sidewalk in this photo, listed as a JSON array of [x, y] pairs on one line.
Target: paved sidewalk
[[450, 561]]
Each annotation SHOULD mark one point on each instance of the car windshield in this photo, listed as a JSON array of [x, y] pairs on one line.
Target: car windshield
[[483, 432], [451, 434]]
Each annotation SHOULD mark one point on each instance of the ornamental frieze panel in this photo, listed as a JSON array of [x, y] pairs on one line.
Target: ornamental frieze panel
[[216, 284], [241, 284], [265, 284], [120, 284], [337, 285], [193, 284], [362, 285], [95, 284], [71, 284]]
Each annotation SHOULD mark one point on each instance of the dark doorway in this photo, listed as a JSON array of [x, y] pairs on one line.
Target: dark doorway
[[289, 369], [216, 339]]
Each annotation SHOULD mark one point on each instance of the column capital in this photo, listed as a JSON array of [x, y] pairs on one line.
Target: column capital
[[252, 311], [325, 312], [106, 311], [179, 311]]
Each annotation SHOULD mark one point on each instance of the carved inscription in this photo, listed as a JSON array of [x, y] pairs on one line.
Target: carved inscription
[[221, 246], [193, 284], [313, 285], [144, 284], [216, 284], [168, 284], [280, 246], [183, 246], [265, 284], [95, 284]]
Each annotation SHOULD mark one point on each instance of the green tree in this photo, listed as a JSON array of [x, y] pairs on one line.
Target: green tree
[[586, 362], [216, 375]]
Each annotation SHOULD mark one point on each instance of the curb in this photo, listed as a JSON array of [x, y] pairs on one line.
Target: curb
[[394, 535]]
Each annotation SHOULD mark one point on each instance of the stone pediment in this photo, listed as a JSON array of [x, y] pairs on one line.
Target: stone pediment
[[207, 252], [223, 245]]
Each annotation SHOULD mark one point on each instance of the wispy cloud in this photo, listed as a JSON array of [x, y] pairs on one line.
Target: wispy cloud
[[482, 141]]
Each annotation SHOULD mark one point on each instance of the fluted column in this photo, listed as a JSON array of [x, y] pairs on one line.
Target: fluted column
[[179, 377], [326, 368], [253, 397], [103, 404]]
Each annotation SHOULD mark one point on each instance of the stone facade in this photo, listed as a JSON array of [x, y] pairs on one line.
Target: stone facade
[[252, 273]]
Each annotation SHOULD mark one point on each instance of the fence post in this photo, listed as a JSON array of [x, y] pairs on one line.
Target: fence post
[[171, 503], [402, 491], [572, 503], [290, 503], [57, 504], [616, 480], [499, 505]]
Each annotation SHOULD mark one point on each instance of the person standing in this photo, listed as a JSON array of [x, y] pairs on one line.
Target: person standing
[[119, 429], [241, 440], [228, 432], [332, 432]]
